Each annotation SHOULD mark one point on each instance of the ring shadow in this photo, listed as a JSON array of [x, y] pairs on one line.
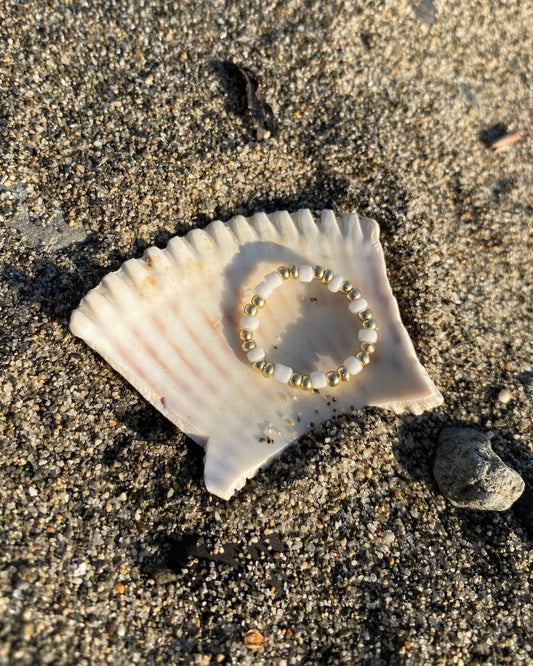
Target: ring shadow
[[239, 271]]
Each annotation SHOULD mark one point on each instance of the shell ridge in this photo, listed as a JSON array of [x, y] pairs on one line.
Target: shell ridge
[[201, 242], [81, 325], [266, 229], [306, 223], [136, 352], [354, 231], [330, 224], [115, 289], [244, 232], [99, 306], [157, 261], [156, 400], [197, 372], [284, 223], [180, 251], [120, 340], [371, 232], [223, 236], [134, 330], [133, 272], [171, 369]]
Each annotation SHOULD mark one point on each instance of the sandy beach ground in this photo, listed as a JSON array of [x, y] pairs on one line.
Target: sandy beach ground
[[118, 130]]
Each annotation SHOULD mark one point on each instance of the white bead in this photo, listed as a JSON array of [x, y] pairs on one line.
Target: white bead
[[358, 306], [353, 365], [318, 380], [368, 335], [305, 273], [250, 322], [255, 354], [273, 280], [282, 373], [335, 283], [263, 290]]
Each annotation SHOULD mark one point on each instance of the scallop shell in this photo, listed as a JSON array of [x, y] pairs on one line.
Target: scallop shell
[[169, 323]]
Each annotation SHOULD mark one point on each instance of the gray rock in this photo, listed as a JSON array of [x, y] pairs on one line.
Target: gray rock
[[471, 475], [54, 236]]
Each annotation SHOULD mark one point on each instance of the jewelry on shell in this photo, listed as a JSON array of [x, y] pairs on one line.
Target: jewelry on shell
[[352, 365]]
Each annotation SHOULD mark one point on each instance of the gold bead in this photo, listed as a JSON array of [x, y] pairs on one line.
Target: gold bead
[[258, 301], [353, 294], [294, 271], [259, 365], [370, 323], [327, 277], [343, 373], [332, 378], [283, 272], [296, 380], [306, 383], [364, 358], [250, 310], [318, 272], [365, 314], [246, 334], [346, 286], [367, 347], [268, 369], [248, 345]]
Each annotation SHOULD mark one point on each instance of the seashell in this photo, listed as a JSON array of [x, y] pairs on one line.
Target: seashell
[[169, 323]]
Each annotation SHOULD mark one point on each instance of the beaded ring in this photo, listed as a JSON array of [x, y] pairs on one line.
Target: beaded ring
[[283, 373]]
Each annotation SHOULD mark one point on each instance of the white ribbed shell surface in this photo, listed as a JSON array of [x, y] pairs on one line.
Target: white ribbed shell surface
[[169, 323]]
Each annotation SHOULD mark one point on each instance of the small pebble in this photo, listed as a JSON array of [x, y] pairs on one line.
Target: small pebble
[[27, 630], [111, 628], [80, 570], [504, 396], [425, 12], [253, 639]]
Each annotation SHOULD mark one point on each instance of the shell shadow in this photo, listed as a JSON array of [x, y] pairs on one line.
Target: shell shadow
[[60, 278]]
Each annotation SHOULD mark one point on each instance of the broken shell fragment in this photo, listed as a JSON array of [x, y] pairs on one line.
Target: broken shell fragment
[[171, 324]]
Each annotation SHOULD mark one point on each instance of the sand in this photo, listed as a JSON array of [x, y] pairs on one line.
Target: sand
[[119, 130]]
